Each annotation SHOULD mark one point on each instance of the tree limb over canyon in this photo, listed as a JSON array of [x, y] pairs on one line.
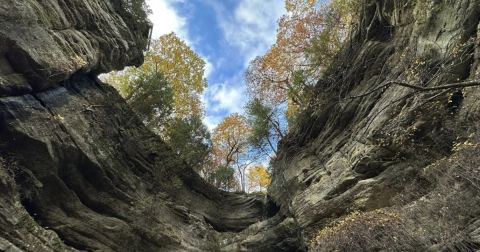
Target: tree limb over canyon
[[79, 170]]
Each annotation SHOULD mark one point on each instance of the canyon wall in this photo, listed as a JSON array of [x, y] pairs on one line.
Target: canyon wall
[[385, 156]]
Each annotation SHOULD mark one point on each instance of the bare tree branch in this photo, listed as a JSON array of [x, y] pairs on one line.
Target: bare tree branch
[[462, 84]]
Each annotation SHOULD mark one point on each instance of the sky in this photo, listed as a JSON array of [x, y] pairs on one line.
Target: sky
[[227, 34]]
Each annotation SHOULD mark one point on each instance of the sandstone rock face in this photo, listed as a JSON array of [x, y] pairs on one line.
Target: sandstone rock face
[[370, 165], [88, 169], [45, 42], [78, 169], [365, 144]]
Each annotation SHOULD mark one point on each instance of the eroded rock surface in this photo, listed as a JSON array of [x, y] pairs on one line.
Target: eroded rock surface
[[368, 158], [88, 169], [78, 170], [365, 144], [45, 42]]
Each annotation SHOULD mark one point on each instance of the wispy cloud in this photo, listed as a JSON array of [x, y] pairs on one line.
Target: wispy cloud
[[222, 99], [247, 29], [252, 27], [226, 97], [165, 18]]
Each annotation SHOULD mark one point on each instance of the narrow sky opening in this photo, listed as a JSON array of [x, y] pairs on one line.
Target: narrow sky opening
[[227, 34]]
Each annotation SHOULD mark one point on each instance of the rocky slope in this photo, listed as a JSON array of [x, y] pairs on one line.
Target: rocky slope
[[78, 170], [369, 142], [372, 164]]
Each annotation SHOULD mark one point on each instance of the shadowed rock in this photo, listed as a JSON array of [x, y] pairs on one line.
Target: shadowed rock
[[79, 170]]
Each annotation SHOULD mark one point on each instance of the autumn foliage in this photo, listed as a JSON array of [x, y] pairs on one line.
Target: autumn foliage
[[309, 35], [166, 93], [258, 178], [180, 66], [231, 147]]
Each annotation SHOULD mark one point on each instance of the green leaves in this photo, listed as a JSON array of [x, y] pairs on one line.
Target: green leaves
[[165, 92], [151, 97], [183, 77], [308, 38], [190, 138], [259, 118], [184, 69], [224, 178], [268, 125]]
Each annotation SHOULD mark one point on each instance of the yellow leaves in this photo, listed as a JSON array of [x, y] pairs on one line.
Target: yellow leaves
[[295, 6], [357, 222], [182, 67], [259, 176], [79, 62], [230, 138], [59, 117], [308, 37]]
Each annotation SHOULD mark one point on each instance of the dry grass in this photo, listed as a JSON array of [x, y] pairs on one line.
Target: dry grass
[[378, 230], [441, 218]]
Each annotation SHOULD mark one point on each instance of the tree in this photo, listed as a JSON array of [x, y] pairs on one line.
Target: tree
[[165, 92], [224, 178], [190, 138], [151, 97], [138, 9], [307, 39], [231, 147], [181, 67], [338, 19], [265, 122], [258, 177]]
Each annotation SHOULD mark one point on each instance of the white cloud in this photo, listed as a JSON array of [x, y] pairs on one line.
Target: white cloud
[[252, 27], [229, 98], [225, 97], [221, 100], [212, 121], [208, 67], [165, 18]]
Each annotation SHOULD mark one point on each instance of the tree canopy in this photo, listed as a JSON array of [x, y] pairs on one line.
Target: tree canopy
[[166, 93], [180, 66], [308, 37], [258, 177], [231, 146]]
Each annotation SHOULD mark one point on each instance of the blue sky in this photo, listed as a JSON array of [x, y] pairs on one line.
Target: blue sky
[[227, 34]]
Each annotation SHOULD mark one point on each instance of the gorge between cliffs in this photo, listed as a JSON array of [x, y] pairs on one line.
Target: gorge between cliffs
[[376, 162]]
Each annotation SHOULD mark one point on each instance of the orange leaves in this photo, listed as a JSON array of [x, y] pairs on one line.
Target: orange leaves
[[293, 6], [230, 139], [231, 148], [308, 37], [271, 75]]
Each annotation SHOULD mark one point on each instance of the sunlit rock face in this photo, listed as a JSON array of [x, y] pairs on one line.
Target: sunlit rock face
[[79, 170], [45, 42], [368, 145]]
